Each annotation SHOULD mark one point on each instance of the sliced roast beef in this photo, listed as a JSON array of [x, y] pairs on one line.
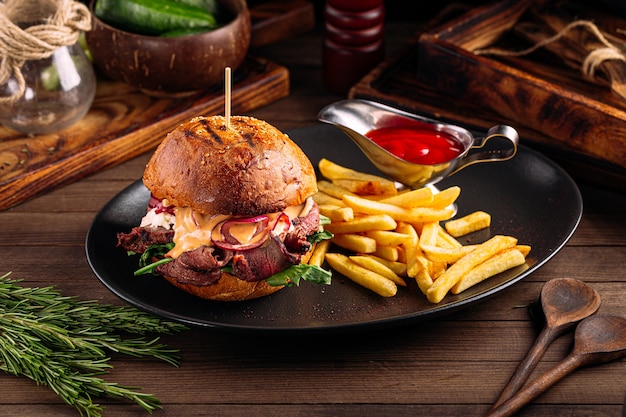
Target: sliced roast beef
[[296, 239], [260, 263], [297, 243], [310, 223], [185, 275], [205, 258], [199, 267], [139, 238]]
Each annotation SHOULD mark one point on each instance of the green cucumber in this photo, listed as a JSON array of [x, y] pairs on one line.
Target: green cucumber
[[153, 17], [212, 6]]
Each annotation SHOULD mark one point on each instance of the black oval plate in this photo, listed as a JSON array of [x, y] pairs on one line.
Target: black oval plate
[[528, 197]]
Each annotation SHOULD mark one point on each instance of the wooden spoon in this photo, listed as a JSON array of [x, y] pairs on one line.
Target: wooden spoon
[[565, 302], [597, 339]]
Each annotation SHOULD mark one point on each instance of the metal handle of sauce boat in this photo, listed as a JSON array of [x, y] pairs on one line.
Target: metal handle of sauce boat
[[478, 153]]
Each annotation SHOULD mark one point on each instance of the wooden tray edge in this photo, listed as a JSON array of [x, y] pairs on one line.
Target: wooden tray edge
[[111, 151]]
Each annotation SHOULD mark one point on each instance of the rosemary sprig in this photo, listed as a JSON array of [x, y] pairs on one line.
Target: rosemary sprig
[[62, 342]]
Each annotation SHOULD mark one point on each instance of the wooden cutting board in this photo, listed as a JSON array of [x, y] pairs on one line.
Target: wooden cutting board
[[123, 123]]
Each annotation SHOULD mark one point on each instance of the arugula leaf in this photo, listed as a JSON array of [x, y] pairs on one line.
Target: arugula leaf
[[153, 251], [149, 269], [319, 236], [295, 273]]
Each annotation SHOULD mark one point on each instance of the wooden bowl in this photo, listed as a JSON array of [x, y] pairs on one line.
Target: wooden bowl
[[177, 66]]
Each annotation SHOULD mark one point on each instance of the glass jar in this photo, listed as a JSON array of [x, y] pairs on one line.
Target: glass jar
[[59, 91]]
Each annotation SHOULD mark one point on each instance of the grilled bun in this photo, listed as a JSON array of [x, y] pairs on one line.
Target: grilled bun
[[228, 288], [246, 169]]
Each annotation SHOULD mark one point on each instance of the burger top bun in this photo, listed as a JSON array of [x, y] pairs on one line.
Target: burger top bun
[[246, 169]]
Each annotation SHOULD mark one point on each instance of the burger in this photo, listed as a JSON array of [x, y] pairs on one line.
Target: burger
[[231, 215]]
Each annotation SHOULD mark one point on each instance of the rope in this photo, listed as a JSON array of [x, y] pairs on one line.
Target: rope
[[48, 25], [591, 61]]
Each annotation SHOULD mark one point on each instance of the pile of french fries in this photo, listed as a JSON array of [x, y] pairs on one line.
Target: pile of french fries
[[390, 235]]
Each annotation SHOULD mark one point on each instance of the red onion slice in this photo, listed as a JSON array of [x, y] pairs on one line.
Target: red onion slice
[[157, 204], [224, 239], [282, 224]]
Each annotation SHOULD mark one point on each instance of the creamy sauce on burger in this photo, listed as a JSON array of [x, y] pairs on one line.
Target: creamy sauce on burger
[[193, 230]]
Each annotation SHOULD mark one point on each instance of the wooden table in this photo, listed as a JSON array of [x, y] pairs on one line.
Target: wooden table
[[452, 366]]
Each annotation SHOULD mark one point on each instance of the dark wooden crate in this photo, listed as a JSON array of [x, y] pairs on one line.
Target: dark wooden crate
[[580, 124]]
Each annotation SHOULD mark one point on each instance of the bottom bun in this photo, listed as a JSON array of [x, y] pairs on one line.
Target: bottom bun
[[228, 288]]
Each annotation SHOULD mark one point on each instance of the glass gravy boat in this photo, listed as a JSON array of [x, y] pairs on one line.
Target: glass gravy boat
[[358, 117]]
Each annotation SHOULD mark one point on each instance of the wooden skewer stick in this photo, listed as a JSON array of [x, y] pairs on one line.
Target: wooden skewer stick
[[227, 92]]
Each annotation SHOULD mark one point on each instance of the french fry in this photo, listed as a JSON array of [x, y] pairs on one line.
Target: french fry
[[387, 237], [428, 239], [447, 255], [321, 198], [333, 189], [423, 277], [398, 267], [409, 215], [403, 232], [413, 198], [445, 198], [362, 276], [319, 252], [390, 253], [468, 223], [378, 267], [355, 243], [417, 266], [410, 245], [334, 171], [367, 187], [444, 239], [524, 249], [429, 234], [336, 213], [454, 273], [500, 262], [401, 254], [363, 224], [436, 269]]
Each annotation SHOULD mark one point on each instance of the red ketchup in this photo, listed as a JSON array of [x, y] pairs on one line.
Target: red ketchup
[[417, 144]]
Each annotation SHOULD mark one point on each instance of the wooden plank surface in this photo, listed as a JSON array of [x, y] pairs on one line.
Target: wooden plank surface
[[453, 366]]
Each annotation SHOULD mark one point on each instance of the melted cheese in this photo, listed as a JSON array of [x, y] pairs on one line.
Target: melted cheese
[[192, 230]]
